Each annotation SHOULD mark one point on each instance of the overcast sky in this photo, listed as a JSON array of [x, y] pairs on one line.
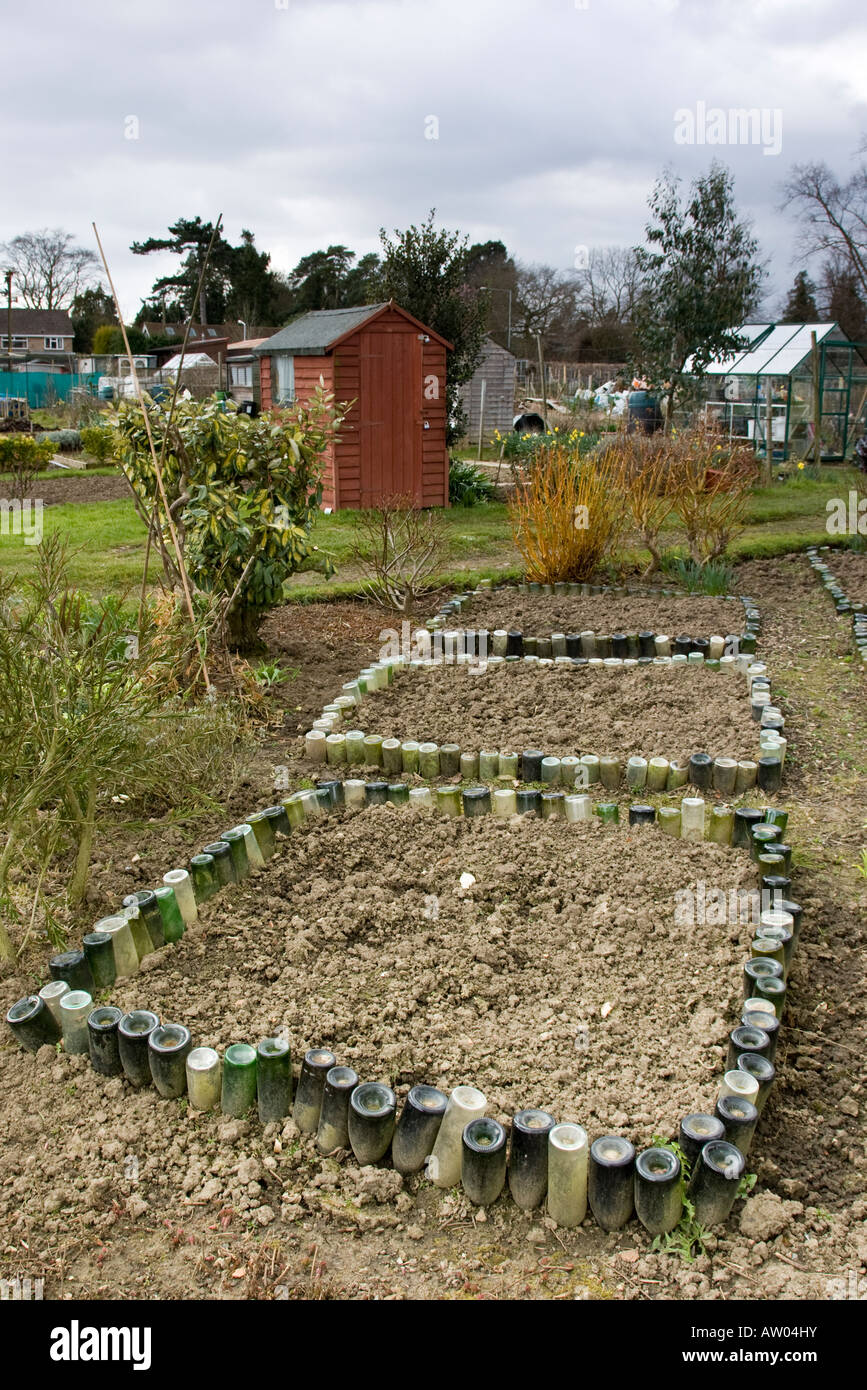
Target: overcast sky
[[308, 120]]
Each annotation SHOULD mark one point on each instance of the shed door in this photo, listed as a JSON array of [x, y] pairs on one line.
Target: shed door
[[391, 423]]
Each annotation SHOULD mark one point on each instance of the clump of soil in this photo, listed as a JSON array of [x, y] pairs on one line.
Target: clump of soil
[[648, 711], [542, 614], [850, 570]]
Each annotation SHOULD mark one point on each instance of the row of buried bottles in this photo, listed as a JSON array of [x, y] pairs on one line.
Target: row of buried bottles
[[760, 830], [643, 647], [460, 603], [399, 758], [151, 919], [449, 1137], [842, 604]]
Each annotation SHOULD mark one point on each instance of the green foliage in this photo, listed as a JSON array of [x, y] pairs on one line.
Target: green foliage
[[98, 441], [687, 1240], [700, 277], [800, 304], [108, 340], [22, 455], [530, 449], [90, 310], [86, 714], [270, 673], [713, 578], [329, 280], [243, 494], [468, 485], [63, 439], [424, 270], [24, 448], [746, 1185], [239, 280]]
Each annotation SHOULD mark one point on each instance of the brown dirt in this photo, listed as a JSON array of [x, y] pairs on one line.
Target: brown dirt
[[849, 568], [539, 615], [80, 487], [72, 1215], [665, 711]]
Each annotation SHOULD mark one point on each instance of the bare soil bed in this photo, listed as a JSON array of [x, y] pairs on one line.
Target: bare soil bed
[[359, 937], [541, 614], [80, 486], [850, 570], [648, 711]]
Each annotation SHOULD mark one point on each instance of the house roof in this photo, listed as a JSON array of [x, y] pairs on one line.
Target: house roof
[[202, 332], [55, 322], [774, 349], [316, 333]]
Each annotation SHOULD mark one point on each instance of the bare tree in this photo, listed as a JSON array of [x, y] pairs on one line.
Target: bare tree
[[50, 270], [609, 284], [399, 549], [833, 214], [547, 303]]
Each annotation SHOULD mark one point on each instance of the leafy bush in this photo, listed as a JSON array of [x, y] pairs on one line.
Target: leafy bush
[[22, 455], [63, 439], [468, 485], [567, 516], [528, 449], [98, 441], [242, 494]]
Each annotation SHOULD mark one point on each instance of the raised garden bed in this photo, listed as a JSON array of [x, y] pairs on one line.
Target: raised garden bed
[[541, 614], [434, 950], [649, 711], [844, 577], [625, 619]]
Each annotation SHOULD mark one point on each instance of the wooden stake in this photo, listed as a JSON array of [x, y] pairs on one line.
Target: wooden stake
[[542, 390], [154, 512], [817, 404], [769, 432]]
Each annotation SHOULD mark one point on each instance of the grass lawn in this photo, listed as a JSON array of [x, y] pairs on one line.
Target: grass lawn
[[107, 540], [106, 544]]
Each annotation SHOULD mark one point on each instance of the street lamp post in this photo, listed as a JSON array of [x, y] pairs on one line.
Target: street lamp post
[[8, 274], [500, 289]]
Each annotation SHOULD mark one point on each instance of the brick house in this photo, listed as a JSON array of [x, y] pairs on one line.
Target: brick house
[[42, 336]]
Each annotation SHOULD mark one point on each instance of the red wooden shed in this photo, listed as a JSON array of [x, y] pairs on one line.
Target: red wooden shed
[[393, 369]]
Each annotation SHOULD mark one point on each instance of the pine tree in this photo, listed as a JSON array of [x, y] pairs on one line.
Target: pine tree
[[801, 301]]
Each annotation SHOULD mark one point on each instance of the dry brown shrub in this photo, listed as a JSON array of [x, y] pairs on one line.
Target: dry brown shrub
[[567, 516]]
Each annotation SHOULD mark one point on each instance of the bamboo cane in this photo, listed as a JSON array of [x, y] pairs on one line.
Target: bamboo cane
[[182, 569]]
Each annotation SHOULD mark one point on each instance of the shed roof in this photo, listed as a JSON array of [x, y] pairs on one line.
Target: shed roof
[[316, 333], [774, 349]]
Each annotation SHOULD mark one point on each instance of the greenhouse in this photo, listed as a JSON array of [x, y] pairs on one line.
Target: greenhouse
[[803, 376]]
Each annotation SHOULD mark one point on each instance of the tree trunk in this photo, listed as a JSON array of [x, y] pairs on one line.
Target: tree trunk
[[243, 628]]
